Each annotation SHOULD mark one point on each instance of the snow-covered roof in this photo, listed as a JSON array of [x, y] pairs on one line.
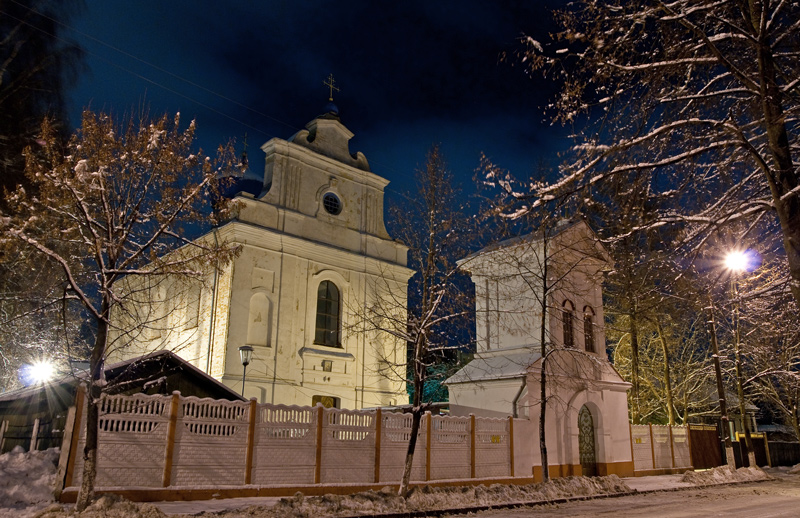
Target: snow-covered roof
[[119, 369], [494, 366]]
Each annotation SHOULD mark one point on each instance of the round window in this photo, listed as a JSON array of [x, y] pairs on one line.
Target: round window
[[332, 203]]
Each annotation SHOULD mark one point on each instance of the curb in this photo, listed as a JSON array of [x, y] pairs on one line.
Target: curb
[[537, 503]]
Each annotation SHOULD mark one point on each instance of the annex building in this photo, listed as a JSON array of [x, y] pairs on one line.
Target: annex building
[[546, 287]]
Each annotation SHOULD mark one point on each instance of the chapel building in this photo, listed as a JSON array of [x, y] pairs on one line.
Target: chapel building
[[547, 286]]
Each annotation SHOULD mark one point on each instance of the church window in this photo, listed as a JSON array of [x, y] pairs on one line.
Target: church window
[[588, 329], [327, 401], [566, 321], [332, 203], [328, 309]]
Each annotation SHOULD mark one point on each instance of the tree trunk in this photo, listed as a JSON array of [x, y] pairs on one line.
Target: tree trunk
[[412, 445], [416, 411], [784, 180], [667, 379], [96, 367], [542, 422], [543, 352], [634, 334]]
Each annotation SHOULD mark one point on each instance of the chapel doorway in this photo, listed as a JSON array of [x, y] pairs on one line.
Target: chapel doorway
[[586, 443]]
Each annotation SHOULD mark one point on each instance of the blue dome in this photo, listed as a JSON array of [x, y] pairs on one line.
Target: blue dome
[[331, 108]]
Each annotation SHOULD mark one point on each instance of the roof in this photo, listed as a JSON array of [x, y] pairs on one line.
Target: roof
[[560, 228], [139, 373], [493, 366]]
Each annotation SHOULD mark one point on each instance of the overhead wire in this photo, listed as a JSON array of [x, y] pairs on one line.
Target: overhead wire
[[174, 75]]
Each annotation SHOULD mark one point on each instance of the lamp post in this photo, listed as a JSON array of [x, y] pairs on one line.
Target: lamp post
[[723, 409], [738, 262], [246, 354]]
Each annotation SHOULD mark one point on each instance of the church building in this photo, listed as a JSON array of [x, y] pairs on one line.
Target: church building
[[547, 287], [314, 257]]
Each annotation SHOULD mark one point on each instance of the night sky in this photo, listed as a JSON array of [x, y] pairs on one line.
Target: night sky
[[411, 74]]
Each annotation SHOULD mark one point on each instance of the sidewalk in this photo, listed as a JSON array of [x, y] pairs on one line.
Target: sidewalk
[[637, 484]]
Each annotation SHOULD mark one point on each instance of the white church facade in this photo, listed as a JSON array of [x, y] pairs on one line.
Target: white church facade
[[547, 288], [314, 257]]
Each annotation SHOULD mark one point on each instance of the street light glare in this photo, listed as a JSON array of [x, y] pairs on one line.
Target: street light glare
[[737, 261], [42, 371]]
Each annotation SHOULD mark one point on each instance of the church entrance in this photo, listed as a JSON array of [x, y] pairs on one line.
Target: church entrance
[[586, 443]]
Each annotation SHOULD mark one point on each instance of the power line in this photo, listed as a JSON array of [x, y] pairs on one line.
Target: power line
[[382, 166]]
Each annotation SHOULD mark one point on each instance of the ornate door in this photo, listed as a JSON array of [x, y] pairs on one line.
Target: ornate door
[[586, 442]]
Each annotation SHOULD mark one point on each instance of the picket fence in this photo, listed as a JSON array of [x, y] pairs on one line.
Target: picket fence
[[175, 441], [656, 448]]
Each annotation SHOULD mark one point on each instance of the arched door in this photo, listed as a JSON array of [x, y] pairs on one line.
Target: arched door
[[586, 442]]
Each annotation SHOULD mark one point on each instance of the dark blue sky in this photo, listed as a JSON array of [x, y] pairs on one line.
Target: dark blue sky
[[411, 74]]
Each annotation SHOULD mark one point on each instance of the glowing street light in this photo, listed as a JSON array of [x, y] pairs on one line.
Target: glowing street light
[[36, 373], [737, 261]]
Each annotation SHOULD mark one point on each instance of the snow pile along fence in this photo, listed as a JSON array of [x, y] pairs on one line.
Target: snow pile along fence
[[660, 449], [188, 443]]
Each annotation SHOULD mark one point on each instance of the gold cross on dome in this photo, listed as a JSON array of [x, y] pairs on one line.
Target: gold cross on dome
[[331, 83]]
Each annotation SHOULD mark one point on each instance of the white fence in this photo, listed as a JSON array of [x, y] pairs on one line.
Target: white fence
[[174, 441], [656, 447], [156, 442]]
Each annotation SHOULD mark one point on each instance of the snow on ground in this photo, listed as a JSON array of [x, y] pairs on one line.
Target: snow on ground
[[724, 475], [26, 481]]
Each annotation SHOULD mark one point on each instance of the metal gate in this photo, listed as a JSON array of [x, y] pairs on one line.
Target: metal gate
[[586, 443]]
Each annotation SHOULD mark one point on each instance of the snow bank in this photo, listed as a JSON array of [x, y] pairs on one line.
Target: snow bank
[[426, 498], [723, 475], [107, 506], [27, 480]]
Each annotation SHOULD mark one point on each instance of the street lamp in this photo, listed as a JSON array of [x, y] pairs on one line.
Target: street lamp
[[738, 262], [246, 354]]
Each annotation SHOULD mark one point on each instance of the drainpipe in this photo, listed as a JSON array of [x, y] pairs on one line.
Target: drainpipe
[[213, 311], [519, 395]]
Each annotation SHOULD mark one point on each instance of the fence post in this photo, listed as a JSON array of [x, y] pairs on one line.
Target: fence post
[[80, 396], [511, 443], [170, 451], [428, 445], [472, 446], [251, 440], [378, 425], [633, 456], [3, 425], [318, 455], [34, 435], [652, 446], [63, 458], [671, 445]]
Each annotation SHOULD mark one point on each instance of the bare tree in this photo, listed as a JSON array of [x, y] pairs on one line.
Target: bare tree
[[432, 224], [118, 203], [699, 93]]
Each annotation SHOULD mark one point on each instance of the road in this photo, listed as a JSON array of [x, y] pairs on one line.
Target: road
[[775, 498]]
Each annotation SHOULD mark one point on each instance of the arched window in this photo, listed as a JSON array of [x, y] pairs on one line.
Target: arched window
[[588, 329], [328, 310], [566, 322]]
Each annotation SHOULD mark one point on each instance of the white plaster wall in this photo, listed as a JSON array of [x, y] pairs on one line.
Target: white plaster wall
[[267, 296]]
